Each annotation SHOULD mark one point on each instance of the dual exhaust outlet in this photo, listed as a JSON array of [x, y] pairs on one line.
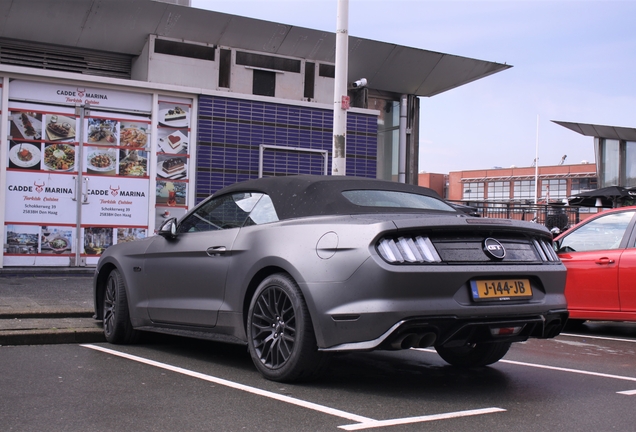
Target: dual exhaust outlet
[[414, 340]]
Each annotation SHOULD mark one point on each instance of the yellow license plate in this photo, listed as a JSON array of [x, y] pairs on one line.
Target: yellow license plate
[[505, 289]]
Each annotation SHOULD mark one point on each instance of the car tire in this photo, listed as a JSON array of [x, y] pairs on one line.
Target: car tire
[[117, 326], [280, 334], [481, 354]]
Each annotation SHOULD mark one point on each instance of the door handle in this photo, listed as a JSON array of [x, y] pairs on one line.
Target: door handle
[[604, 261], [216, 250]]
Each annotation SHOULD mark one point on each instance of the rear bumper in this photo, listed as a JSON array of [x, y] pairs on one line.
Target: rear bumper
[[454, 331]]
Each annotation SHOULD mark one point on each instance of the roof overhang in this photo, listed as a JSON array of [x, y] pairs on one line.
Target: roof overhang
[[600, 131], [123, 26]]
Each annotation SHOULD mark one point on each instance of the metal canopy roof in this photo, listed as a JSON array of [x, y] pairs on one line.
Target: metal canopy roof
[[600, 131], [123, 26]]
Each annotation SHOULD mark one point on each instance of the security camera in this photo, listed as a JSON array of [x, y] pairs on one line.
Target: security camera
[[359, 83]]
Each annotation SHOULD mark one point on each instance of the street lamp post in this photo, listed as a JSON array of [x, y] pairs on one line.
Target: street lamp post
[[341, 100]]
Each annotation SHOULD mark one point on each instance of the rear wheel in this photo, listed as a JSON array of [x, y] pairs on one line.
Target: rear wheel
[[280, 334], [480, 354], [117, 326]]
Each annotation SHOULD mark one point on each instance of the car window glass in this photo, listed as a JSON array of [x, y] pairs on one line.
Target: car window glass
[[228, 211], [264, 212], [605, 232], [384, 198]]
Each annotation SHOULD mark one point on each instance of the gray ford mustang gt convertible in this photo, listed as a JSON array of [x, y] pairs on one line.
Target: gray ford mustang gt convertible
[[300, 267]]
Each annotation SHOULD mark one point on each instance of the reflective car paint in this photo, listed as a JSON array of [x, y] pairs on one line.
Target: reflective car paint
[[600, 280], [201, 280]]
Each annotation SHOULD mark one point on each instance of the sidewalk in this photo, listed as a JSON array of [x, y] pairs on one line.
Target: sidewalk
[[47, 306]]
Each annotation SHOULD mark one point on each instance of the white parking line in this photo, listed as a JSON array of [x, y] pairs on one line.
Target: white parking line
[[576, 371], [598, 337], [555, 368], [363, 422], [627, 392], [421, 419]]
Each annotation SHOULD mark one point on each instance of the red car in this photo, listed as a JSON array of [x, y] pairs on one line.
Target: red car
[[600, 256]]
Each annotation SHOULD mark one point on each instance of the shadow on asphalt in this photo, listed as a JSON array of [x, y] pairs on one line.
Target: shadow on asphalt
[[386, 373]]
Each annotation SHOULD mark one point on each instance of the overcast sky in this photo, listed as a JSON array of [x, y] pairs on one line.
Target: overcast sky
[[573, 61]]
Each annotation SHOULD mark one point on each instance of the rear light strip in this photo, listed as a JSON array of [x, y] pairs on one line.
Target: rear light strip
[[546, 251], [408, 249]]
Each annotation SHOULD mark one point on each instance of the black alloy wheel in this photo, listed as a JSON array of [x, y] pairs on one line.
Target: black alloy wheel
[[117, 326], [280, 335]]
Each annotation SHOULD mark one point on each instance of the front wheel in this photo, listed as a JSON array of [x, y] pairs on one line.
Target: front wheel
[[117, 326], [472, 355], [280, 334]]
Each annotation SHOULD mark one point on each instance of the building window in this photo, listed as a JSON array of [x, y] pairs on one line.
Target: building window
[[310, 80], [582, 185], [554, 190], [327, 70], [499, 191], [264, 83], [473, 192], [523, 190], [182, 49], [225, 67], [630, 168], [267, 62], [610, 162]]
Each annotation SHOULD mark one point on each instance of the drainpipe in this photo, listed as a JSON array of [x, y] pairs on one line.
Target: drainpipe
[[341, 100]]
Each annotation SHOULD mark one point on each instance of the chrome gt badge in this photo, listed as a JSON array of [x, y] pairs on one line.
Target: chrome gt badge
[[494, 249]]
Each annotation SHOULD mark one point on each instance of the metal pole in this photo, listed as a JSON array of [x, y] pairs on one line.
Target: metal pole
[[402, 144], [82, 111], [536, 167], [341, 101]]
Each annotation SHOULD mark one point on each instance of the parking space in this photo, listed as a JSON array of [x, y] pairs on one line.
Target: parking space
[[576, 381]]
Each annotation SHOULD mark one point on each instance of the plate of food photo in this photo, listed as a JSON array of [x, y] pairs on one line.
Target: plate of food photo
[[133, 137], [59, 157], [101, 161], [60, 128], [59, 244], [172, 168], [133, 165], [102, 131], [28, 125], [174, 117], [173, 143], [25, 155]]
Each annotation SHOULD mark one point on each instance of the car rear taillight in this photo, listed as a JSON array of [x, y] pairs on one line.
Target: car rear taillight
[[408, 249], [545, 250]]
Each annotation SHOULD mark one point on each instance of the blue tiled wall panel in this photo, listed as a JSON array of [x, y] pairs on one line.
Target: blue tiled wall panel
[[230, 132]]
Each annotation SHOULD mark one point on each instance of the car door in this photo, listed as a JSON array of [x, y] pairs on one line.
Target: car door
[[592, 253], [186, 274], [627, 278]]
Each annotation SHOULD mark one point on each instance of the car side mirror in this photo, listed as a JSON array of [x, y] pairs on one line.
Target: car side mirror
[[168, 229]]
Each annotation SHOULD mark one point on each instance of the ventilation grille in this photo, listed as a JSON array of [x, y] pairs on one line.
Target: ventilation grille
[[50, 57]]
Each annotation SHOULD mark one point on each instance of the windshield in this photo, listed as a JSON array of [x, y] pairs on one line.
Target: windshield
[[385, 198]]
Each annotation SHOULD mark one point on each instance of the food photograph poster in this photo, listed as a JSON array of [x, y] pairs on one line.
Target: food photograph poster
[[77, 184]]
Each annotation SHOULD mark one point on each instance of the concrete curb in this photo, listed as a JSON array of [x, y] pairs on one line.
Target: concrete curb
[[38, 331], [47, 306], [51, 336]]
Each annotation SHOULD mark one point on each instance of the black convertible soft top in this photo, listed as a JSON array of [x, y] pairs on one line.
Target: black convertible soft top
[[312, 195]]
